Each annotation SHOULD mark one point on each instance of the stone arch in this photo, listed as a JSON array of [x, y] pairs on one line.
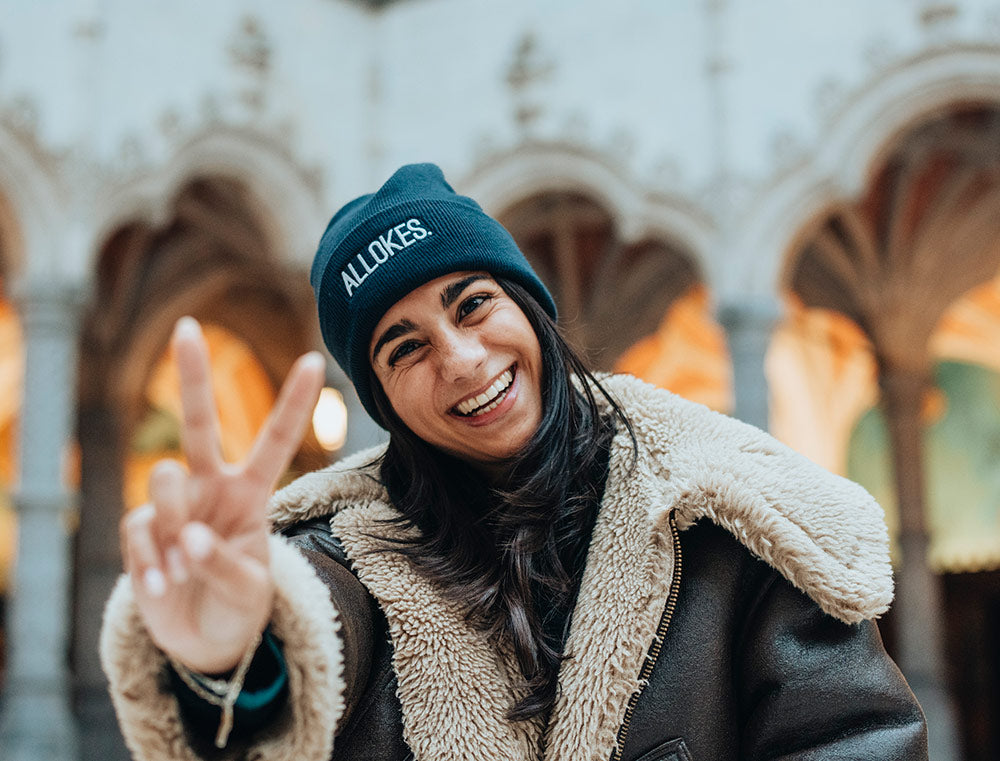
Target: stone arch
[[286, 196], [849, 148], [882, 112], [626, 303], [662, 236], [871, 278], [534, 169], [611, 292], [208, 257], [935, 194], [890, 262], [29, 204], [211, 258]]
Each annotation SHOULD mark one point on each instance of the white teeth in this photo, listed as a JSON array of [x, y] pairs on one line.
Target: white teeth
[[489, 399]]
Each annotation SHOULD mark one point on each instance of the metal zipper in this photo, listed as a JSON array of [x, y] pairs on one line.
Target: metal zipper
[[654, 650]]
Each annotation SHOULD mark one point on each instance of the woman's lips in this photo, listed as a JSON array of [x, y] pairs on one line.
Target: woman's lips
[[493, 394], [504, 406]]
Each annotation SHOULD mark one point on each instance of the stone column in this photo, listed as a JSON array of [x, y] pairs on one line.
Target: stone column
[[37, 722], [97, 566], [919, 606], [749, 324]]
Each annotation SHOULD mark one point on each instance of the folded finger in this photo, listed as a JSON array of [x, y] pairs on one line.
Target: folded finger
[[282, 433], [177, 568], [144, 560], [167, 492], [200, 430], [229, 573]]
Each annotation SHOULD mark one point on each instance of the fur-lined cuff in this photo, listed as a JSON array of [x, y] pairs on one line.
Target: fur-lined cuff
[[304, 619]]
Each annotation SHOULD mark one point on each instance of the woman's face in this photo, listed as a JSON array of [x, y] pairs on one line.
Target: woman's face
[[462, 367]]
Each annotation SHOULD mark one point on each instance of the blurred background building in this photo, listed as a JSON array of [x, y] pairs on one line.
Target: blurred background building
[[788, 211]]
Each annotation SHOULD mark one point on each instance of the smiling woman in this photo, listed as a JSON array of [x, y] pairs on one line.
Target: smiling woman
[[504, 578], [458, 361]]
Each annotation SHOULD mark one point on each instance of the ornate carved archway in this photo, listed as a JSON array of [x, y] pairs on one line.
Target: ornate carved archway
[[610, 293], [210, 259], [632, 306], [924, 232]]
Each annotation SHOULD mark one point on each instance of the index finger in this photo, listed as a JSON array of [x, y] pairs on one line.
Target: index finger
[[200, 431], [282, 433]]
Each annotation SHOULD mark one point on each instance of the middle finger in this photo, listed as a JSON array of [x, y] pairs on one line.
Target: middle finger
[[143, 556], [168, 492], [282, 433]]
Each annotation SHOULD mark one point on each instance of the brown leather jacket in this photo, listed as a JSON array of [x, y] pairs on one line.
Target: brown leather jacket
[[725, 612], [750, 668]]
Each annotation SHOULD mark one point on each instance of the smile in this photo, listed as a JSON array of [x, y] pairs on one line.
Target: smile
[[489, 399]]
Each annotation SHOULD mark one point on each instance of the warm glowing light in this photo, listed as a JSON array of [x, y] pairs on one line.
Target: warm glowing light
[[243, 397], [330, 419], [687, 354]]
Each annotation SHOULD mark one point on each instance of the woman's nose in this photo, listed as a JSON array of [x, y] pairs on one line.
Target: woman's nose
[[461, 356]]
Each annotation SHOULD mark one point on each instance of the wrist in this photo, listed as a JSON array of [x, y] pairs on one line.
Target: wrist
[[220, 659], [221, 692]]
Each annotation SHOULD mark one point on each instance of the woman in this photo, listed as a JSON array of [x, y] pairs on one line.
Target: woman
[[540, 564]]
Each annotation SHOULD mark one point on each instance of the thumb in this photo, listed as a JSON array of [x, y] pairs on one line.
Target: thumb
[[238, 580]]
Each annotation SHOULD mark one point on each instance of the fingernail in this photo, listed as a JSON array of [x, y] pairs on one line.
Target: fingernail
[[156, 583], [313, 358], [197, 541], [187, 326], [175, 565], [144, 512]]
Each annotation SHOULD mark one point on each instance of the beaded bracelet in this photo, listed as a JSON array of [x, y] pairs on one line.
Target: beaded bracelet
[[219, 692]]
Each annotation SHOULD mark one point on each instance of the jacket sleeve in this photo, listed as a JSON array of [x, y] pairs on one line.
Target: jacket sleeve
[[817, 688], [264, 695], [305, 618]]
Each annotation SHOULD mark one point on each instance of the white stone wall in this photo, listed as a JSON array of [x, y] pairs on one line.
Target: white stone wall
[[740, 118], [725, 125]]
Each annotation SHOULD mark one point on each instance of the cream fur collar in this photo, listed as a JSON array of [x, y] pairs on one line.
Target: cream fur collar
[[825, 534]]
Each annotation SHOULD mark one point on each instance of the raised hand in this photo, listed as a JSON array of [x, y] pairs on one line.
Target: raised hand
[[197, 554]]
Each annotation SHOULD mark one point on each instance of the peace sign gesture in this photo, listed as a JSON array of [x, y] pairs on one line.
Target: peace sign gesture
[[197, 554]]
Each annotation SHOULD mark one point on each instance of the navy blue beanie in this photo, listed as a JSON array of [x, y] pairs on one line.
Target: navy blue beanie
[[381, 246]]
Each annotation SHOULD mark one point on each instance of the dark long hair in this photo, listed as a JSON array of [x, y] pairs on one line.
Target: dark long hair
[[511, 553]]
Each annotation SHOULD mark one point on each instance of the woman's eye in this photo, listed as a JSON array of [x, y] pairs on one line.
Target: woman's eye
[[402, 351], [471, 304]]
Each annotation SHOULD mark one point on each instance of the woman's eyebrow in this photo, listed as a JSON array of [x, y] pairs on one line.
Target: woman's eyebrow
[[394, 331], [453, 291]]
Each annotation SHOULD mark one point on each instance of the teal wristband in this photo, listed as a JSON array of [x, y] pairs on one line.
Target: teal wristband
[[257, 699]]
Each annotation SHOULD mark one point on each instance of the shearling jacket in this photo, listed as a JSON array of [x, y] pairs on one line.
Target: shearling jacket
[[724, 613]]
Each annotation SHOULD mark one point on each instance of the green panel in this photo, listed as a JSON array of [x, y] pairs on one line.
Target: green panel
[[158, 431], [962, 468]]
